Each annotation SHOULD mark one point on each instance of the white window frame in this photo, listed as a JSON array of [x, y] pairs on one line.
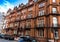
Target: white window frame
[[41, 12], [55, 22], [11, 25], [54, 10], [41, 4], [15, 31], [54, 1], [29, 9], [39, 33], [35, 0], [56, 36]]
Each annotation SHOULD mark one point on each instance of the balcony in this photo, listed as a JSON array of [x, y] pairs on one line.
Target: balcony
[[55, 26], [40, 26], [41, 0], [29, 16], [27, 27], [17, 20], [21, 28], [9, 28]]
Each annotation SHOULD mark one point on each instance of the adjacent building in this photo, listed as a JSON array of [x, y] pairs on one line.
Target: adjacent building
[[38, 18], [1, 21]]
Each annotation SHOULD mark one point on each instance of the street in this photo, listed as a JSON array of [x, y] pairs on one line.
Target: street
[[3, 40]]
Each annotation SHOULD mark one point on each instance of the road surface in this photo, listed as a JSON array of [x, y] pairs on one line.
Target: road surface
[[3, 40]]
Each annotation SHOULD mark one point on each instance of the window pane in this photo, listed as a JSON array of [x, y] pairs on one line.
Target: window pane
[[29, 16], [41, 13], [41, 32], [54, 21], [27, 32], [40, 23], [35, 0], [41, 4], [54, 10], [54, 0], [55, 33], [18, 12]]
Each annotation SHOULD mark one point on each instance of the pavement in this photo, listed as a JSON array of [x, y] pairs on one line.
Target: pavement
[[3, 40]]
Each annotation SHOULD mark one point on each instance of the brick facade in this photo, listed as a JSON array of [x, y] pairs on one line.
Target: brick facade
[[40, 19]]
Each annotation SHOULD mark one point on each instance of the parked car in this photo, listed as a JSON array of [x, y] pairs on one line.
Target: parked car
[[11, 38], [1, 35], [27, 39], [8, 37]]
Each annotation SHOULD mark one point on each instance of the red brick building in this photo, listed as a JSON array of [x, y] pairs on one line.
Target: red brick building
[[38, 18]]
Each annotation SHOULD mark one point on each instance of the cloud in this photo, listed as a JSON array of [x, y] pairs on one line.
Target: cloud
[[6, 5]]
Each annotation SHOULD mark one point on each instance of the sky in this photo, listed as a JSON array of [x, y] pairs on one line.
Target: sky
[[6, 4]]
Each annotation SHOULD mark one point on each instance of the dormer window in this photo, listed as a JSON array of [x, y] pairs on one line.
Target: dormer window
[[30, 0], [41, 4], [35, 0], [22, 4]]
